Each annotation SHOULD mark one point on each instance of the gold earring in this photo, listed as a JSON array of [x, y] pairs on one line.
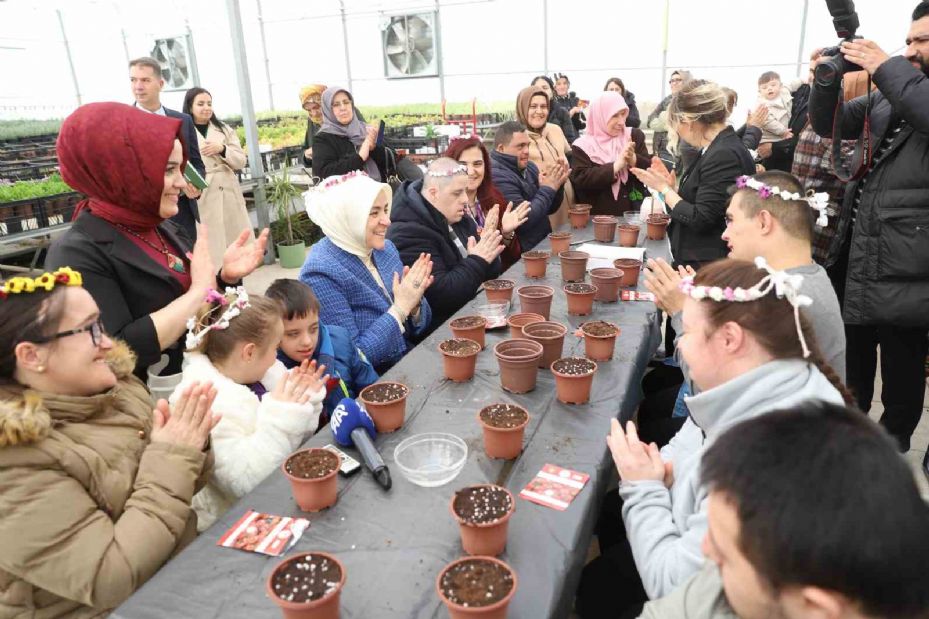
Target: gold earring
[[40, 368]]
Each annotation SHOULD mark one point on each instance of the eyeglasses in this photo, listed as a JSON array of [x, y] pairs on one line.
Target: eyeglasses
[[95, 328]]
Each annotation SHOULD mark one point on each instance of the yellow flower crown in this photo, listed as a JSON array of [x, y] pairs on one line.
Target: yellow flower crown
[[64, 276]]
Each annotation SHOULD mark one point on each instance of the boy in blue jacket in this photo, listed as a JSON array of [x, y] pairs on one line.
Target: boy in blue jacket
[[305, 338]]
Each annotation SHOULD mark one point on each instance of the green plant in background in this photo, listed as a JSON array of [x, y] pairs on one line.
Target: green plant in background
[[281, 193], [13, 129], [25, 190]]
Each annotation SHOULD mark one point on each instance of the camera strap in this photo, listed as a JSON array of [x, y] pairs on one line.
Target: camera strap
[[861, 160]]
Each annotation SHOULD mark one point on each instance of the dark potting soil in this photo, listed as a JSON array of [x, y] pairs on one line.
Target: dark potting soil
[[499, 284], [536, 253], [582, 288], [312, 464], [482, 504], [560, 235], [503, 415], [628, 227], [476, 583], [658, 218], [382, 393], [599, 328], [574, 366], [306, 579], [468, 322], [458, 347], [536, 293]]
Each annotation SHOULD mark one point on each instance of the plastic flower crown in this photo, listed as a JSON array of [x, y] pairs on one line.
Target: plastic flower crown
[[47, 281], [819, 202], [471, 136], [459, 169], [784, 284], [235, 300], [333, 181]]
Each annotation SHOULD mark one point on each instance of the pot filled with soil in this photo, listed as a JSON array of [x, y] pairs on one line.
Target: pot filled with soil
[[483, 513], [551, 336], [631, 269], [535, 299], [607, 282], [605, 228], [657, 225], [560, 241], [580, 298], [459, 358], [573, 379], [386, 403], [469, 328], [573, 265], [476, 588], [503, 427], [519, 360], [312, 476], [307, 586], [599, 339], [536, 261], [516, 323], [499, 290], [579, 215], [628, 235]]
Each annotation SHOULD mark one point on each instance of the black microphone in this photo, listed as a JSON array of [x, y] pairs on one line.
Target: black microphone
[[351, 425]]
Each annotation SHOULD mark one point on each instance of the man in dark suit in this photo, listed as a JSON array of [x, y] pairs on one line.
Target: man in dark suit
[[145, 78]]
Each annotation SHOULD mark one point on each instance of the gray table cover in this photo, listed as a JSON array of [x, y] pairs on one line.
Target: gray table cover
[[393, 544]]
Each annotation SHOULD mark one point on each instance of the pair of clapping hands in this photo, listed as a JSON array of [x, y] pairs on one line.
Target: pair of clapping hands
[[555, 174]]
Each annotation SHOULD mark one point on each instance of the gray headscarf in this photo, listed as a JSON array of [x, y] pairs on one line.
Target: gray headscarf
[[355, 131]]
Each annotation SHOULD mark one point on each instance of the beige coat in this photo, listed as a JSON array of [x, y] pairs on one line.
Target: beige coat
[[544, 149], [222, 206], [89, 508]]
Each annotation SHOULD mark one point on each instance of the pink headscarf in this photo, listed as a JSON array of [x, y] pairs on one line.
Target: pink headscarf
[[599, 145]]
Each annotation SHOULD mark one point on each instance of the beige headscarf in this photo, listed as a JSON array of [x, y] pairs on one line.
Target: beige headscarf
[[340, 206]]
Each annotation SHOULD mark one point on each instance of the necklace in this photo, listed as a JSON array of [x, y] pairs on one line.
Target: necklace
[[174, 263]]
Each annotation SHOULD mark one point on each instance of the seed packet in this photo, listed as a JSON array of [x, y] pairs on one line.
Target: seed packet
[[554, 487], [635, 295], [264, 533]]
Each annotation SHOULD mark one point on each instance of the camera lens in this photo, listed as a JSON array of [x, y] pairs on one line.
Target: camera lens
[[826, 73]]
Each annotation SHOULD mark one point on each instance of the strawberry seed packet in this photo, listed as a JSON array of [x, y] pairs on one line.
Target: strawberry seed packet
[[264, 533], [554, 487]]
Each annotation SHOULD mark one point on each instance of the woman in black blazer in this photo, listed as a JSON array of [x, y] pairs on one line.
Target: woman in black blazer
[[344, 142], [698, 204], [140, 267]]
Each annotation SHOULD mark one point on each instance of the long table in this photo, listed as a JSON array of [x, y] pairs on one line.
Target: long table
[[394, 543]]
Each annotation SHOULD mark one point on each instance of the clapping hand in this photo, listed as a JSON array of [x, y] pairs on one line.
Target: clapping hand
[[409, 290], [635, 460], [664, 282], [492, 220], [514, 218], [202, 275], [556, 175], [300, 383], [488, 247], [626, 158], [656, 176], [241, 259], [758, 116], [189, 422]]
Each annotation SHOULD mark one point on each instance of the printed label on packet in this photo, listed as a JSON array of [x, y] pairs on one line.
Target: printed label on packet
[[554, 487], [635, 295], [264, 533]]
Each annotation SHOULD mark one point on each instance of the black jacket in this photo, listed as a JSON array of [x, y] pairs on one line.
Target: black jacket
[[187, 212], [517, 185], [578, 121], [417, 227], [311, 130], [698, 220], [334, 155], [750, 136], [633, 120], [888, 260]]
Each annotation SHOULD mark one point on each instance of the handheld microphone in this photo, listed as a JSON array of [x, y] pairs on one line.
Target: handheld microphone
[[351, 425]]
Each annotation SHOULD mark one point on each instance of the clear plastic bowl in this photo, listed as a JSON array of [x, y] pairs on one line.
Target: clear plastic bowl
[[431, 459], [632, 219], [495, 313]]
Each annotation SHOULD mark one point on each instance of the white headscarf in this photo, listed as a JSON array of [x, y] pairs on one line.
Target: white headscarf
[[340, 206]]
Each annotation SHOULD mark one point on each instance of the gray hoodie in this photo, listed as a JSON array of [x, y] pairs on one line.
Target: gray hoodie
[[665, 527], [701, 597]]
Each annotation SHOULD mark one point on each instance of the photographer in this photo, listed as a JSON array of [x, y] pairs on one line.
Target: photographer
[[879, 258]]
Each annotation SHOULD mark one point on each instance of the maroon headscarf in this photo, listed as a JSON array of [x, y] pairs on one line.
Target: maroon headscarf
[[116, 155]]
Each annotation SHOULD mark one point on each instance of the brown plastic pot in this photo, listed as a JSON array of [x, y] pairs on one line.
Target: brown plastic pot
[[505, 443], [492, 611], [535, 262], [462, 331], [599, 347], [560, 241], [628, 235], [516, 323], [579, 215], [313, 495], [657, 225], [605, 228], [550, 335], [387, 416], [326, 607], [499, 295], [535, 299], [574, 265], [630, 268], [459, 368], [580, 303], [573, 388], [488, 539], [607, 282], [519, 361]]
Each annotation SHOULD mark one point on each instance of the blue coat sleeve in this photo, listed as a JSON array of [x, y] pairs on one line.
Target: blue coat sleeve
[[193, 148]]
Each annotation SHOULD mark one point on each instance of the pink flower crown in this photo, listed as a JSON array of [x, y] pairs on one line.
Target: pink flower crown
[[819, 202], [235, 298], [334, 181], [472, 136], [459, 169]]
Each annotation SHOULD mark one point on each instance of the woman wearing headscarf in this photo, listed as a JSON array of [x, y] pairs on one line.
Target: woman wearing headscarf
[[139, 267], [616, 85], [604, 155], [547, 143], [345, 143], [356, 272], [556, 114], [311, 101]]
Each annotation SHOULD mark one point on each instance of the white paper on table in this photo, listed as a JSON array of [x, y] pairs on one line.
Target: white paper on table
[[604, 255]]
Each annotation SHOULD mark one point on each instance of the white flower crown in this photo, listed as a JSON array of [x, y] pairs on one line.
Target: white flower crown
[[819, 202], [460, 169], [237, 300]]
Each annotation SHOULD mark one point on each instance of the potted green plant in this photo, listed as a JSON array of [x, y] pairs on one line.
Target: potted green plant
[[281, 193]]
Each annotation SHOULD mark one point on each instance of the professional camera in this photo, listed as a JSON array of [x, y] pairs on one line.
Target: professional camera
[[829, 71]]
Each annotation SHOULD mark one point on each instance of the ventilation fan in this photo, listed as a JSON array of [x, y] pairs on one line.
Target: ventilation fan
[[178, 66], [410, 45]]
